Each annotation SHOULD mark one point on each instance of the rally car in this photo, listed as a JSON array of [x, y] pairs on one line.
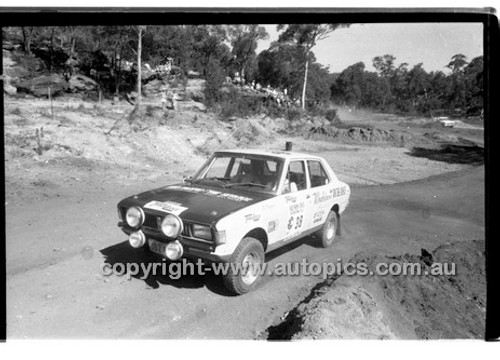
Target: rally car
[[238, 206]]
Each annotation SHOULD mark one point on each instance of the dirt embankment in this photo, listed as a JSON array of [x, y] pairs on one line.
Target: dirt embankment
[[402, 307]]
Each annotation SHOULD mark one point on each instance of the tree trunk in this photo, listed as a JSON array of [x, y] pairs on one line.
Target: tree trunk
[[305, 83], [118, 67], [51, 49], [72, 47], [139, 67], [27, 33]]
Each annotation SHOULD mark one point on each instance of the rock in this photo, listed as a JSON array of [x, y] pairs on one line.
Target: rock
[[81, 83], [7, 45], [7, 87], [193, 74], [195, 89], [193, 105], [39, 86], [153, 87]]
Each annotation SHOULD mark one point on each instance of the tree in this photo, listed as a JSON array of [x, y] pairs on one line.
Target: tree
[[244, 40], [385, 65], [28, 33], [457, 63], [305, 36], [349, 84], [418, 84], [457, 94], [208, 43], [473, 74]]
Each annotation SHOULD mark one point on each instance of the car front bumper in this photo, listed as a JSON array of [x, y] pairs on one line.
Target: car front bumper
[[192, 248]]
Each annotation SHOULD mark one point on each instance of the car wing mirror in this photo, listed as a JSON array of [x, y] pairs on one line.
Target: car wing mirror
[[187, 179]]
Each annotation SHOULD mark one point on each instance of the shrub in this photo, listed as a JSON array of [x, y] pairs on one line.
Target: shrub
[[331, 116], [214, 80], [294, 113]]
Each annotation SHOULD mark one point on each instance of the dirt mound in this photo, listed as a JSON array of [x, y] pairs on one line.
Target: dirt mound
[[407, 307], [251, 131], [360, 134]]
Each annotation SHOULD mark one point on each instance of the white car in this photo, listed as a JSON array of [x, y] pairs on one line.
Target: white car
[[238, 206]]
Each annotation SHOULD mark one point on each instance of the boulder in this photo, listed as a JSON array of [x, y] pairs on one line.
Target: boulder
[[7, 87], [81, 83], [153, 87], [193, 74], [193, 105], [39, 86], [195, 89]]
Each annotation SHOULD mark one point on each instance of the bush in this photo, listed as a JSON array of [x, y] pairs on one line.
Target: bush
[[294, 113], [236, 104], [214, 80], [331, 116], [28, 66]]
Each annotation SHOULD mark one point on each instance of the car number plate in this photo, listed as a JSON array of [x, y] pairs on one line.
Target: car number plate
[[157, 247]]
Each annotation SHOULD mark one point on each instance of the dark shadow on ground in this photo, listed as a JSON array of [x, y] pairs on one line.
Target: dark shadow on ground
[[452, 154], [123, 253]]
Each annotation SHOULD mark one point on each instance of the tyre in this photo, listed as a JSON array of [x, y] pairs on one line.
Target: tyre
[[327, 233], [250, 256]]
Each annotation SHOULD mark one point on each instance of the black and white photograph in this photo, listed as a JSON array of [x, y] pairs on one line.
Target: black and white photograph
[[247, 175]]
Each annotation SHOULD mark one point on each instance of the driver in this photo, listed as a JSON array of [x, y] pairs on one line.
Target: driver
[[251, 173]]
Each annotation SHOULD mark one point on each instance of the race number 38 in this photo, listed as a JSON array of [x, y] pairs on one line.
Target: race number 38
[[295, 222]]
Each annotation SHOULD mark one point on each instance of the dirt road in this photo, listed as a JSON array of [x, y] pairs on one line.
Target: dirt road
[[57, 242]]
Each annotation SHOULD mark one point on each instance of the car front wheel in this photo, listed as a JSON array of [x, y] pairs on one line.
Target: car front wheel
[[244, 266], [329, 230]]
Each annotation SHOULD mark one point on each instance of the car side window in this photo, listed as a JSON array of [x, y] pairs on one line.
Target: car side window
[[317, 174], [297, 174]]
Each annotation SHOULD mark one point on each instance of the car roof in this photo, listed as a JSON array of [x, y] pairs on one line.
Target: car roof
[[271, 153]]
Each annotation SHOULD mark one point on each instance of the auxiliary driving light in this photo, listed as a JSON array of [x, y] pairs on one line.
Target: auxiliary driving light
[[171, 226], [174, 250], [137, 239]]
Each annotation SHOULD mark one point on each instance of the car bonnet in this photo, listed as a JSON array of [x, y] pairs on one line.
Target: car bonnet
[[195, 203]]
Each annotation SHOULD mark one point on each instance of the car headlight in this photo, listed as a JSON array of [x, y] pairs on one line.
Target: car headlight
[[171, 226], [137, 239], [174, 250], [135, 217], [202, 232]]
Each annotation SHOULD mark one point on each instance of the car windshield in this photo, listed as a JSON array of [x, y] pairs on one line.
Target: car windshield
[[249, 172]]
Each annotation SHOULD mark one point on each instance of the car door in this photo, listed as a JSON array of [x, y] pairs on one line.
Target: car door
[[321, 194], [296, 199]]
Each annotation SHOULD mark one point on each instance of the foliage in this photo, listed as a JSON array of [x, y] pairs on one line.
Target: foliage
[[305, 36], [105, 53], [244, 40], [414, 91], [214, 79]]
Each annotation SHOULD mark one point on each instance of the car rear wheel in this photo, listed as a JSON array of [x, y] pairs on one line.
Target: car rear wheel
[[244, 275], [329, 230]]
